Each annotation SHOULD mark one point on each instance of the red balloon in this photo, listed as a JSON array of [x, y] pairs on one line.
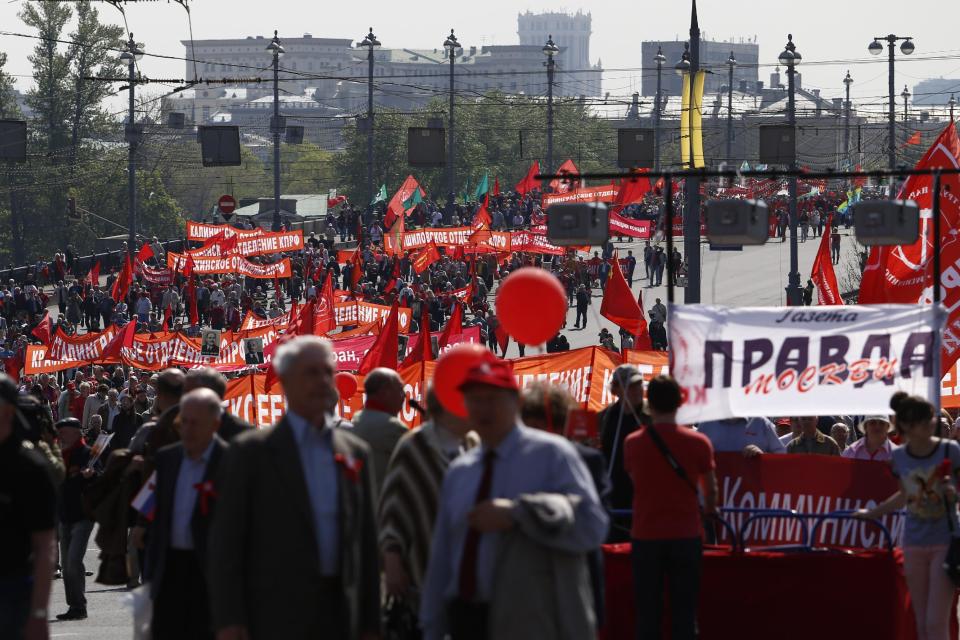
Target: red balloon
[[531, 305], [346, 385], [451, 369]]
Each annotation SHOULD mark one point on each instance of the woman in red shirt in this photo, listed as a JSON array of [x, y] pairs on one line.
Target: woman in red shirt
[[666, 531]]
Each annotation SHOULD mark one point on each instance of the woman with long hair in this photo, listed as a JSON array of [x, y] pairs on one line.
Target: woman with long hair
[[927, 469]]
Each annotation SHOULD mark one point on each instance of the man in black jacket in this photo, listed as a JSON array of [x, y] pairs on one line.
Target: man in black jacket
[[176, 550], [617, 422], [75, 527]]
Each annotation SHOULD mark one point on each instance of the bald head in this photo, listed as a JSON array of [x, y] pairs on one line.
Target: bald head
[[200, 413], [169, 388], [384, 389]]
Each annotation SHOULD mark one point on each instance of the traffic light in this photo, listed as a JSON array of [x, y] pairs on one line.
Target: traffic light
[[72, 212]]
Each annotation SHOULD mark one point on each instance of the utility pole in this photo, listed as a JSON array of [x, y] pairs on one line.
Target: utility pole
[[659, 59], [132, 134], [847, 81], [876, 48], [731, 63], [691, 214], [276, 126], [451, 45], [952, 103], [550, 50], [906, 99], [370, 42], [790, 58]]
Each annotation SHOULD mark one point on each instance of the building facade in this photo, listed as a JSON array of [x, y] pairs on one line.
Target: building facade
[[713, 57], [576, 75]]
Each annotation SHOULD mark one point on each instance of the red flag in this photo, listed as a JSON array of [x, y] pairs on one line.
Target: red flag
[[192, 303], [122, 339], [357, 261], [454, 325], [325, 319], [642, 339], [385, 349], [914, 139], [529, 182], [425, 257], [903, 274], [568, 169], [13, 365], [94, 277], [403, 194], [277, 292], [44, 330], [167, 317], [187, 269], [632, 190], [496, 186], [145, 253], [482, 216], [618, 305], [828, 292], [123, 281], [424, 350], [503, 338]]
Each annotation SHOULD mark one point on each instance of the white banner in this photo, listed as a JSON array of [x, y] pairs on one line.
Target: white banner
[[800, 361]]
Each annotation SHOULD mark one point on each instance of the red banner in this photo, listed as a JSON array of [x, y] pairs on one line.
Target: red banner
[[233, 264], [350, 351], [606, 193], [620, 226], [807, 484], [256, 245], [161, 277], [452, 237], [198, 231], [534, 243]]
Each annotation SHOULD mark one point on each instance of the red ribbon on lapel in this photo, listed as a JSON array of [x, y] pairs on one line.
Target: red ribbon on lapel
[[206, 492], [351, 466]]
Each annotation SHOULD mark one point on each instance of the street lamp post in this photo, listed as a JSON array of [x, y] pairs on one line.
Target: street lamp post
[[731, 63], [906, 98], [876, 49], [847, 81], [952, 102], [451, 45], [370, 42], [130, 57], [659, 59], [790, 58], [550, 50], [276, 51]]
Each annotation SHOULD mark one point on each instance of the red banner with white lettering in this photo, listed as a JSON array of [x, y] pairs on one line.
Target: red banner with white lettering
[[232, 264], [255, 245]]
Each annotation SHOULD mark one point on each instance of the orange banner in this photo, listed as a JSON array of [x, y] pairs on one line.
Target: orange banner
[[605, 193], [198, 231], [233, 264], [452, 237]]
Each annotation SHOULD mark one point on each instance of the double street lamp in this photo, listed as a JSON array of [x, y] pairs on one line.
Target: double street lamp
[[370, 42], [130, 57], [905, 94], [451, 46], [276, 126], [876, 48], [790, 58], [550, 50]]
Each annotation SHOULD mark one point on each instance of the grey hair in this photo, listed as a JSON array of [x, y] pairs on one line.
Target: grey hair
[[207, 398], [289, 352]]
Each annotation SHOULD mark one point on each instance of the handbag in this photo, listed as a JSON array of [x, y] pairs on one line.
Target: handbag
[[951, 563]]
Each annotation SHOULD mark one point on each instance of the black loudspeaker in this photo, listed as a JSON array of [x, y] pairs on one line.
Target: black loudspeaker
[[426, 147], [220, 146], [737, 222], [778, 144], [635, 148], [294, 134], [886, 222], [13, 140], [176, 119]]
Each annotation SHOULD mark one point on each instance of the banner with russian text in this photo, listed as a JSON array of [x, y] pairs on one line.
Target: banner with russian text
[[232, 264], [621, 226], [790, 361], [806, 484], [256, 245], [198, 231], [605, 193], [452, 237]]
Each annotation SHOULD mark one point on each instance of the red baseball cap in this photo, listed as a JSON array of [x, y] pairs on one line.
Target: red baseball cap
[[492, 372]]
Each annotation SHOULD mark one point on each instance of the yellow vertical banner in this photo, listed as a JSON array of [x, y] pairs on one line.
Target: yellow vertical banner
[[685, 122], [697, 118]]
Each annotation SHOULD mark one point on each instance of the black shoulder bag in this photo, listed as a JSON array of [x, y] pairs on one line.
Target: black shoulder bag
[[680, 471], [951, 563]]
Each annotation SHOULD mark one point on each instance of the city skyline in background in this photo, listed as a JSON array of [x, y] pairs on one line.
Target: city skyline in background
[[833, 38]]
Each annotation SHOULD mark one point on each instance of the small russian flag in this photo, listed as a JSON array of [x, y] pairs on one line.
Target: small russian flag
[[145, 502]]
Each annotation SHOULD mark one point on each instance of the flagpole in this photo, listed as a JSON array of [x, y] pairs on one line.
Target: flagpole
[[937, 337]]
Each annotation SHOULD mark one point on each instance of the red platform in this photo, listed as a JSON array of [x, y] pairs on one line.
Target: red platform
[[763, 595]]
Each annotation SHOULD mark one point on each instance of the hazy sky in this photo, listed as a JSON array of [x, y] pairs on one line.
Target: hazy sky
[[832, 35]]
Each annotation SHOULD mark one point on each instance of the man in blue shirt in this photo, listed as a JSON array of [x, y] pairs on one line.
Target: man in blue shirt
[[489, 506], [751, 436]]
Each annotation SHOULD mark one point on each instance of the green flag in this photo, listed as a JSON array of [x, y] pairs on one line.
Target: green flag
[[414, 199], [381, 195], [482, 188], [466, 190]]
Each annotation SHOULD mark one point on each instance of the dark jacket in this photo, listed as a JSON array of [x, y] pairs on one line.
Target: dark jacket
[[168, 463], [70, 505], [231, 426], [621, 487], [125, 424], [272, 585]]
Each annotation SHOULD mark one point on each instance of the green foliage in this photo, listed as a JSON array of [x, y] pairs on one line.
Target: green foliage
[[496, 134]]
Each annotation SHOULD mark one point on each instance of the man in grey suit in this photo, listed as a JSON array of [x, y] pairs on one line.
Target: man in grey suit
[[295, 527]]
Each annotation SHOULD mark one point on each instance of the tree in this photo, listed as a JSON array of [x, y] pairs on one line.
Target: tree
[[51, 69], [9, 109]]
